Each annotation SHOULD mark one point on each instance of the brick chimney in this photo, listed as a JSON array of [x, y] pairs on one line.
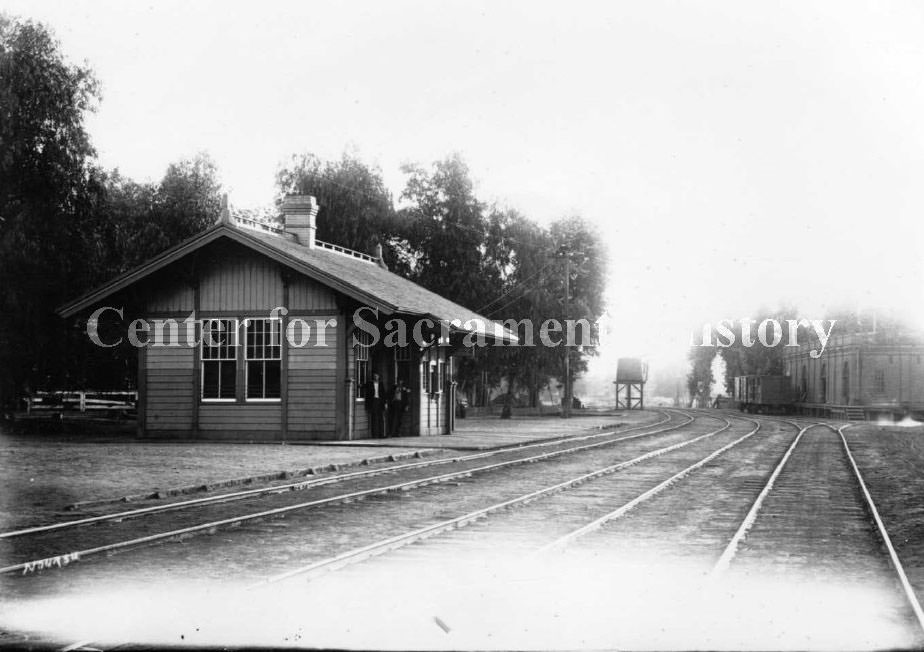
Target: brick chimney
[[224, 217], [300, 212]]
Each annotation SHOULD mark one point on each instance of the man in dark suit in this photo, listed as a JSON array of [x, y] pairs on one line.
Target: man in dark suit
[[397, 404], [375, 406]]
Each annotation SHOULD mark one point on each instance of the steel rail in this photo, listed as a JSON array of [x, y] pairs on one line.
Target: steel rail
[[597, 523], [398, 541], [64, 559], [887, 540], [732, 548], [792, 419], [319, 482]]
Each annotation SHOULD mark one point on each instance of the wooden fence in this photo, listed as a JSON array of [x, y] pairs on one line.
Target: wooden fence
[[108, 404]]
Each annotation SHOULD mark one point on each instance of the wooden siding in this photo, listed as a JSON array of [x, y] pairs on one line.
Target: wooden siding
[[312, 385], [432, 407], [360, 420], [307, 294], [171, 297], [234, 279], [233, 282], [238, 283], [241, 282], [169, 385], [249, 417]]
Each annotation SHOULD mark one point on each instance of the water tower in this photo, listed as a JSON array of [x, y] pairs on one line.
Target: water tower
[[631, 375]]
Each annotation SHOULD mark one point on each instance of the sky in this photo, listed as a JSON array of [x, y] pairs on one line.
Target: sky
[[735, 156]]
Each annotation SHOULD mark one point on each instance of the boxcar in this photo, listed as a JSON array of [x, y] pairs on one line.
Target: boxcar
[[764, 394]]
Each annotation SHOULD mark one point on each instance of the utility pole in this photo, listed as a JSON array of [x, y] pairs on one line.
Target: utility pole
[[566, 408]]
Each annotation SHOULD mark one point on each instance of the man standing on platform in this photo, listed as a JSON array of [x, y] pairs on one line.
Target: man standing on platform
[[397, 404], [375, 407]]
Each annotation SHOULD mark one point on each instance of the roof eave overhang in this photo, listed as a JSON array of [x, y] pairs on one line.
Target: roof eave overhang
[[208, 236], [505, 335]]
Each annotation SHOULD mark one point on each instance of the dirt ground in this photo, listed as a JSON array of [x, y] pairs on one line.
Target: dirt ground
[[42, 474], [891, 460]]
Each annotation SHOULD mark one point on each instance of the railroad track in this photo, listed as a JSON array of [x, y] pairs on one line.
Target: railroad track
[[57, 545], [766, 506], [812, 519], [272, 489], [810, 497], [815, 515], [659, 473]]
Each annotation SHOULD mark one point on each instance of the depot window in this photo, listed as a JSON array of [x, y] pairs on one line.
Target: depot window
[[403, 363], [219, 359], [263, 357], [363, 343]]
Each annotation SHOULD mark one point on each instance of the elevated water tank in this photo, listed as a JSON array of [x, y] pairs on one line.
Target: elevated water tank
[[631, 370]]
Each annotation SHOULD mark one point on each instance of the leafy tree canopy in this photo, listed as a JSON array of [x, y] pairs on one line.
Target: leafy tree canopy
[[45, 191], [355, 208], [67, 225]]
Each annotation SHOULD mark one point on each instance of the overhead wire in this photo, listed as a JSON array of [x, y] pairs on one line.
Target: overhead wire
[[516, 288]]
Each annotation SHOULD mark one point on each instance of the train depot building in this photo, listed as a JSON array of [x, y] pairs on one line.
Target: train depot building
[[243, 379], [861, 375]]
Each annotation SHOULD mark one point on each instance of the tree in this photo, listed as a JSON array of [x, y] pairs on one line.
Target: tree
[[519, 252], [531, 268], [355, 209], [188, 198], [741, 360], [446, 226], [580, 243], [46, 192], [129, 223], [43, 144], [125, 224], [700, 378]]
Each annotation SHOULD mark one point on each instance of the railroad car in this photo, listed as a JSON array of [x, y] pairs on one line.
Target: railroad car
[[764, 394]]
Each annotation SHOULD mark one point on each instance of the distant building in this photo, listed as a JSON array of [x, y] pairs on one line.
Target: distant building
[[246, 380], [868, 374]]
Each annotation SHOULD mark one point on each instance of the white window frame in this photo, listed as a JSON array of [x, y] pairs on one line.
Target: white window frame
[[247, 398], [440, 375], [203, 360], [431, 372], [361, 350]]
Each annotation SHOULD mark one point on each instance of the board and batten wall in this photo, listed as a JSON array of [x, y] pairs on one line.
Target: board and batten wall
[[433, 416], [241, 284], [167, 388], [313, 386]]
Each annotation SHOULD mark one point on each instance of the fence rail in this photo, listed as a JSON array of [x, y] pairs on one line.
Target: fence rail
[[94, 402]]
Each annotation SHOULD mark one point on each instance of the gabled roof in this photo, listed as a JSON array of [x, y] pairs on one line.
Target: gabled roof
[[358, 278]]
